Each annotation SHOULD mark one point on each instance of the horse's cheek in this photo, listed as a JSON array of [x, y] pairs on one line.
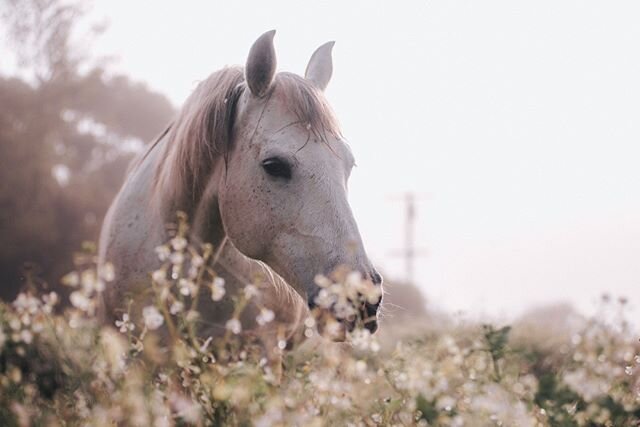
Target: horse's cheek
[[245, 221]]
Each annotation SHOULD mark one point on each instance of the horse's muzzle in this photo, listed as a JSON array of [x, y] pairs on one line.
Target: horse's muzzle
[[369, 315], [367, 318], [369, 311], [365, 307]]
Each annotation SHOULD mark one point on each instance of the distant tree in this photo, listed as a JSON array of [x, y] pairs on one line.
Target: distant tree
[[66, 135], [546, 328]]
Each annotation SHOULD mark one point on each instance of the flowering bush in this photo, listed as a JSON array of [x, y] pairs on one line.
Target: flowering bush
[[66, 367]]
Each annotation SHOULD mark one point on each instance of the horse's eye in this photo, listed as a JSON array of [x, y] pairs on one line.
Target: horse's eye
[[277, 168]]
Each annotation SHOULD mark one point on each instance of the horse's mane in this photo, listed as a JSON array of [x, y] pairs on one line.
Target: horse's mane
[[203, 129]]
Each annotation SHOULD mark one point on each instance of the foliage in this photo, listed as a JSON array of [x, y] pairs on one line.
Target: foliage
[[157, 371], [66, 137]]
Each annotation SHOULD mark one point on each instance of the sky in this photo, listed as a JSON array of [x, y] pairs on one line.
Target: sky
[[516, 123]]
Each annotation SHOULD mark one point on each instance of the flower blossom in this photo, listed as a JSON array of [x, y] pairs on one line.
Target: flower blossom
[[152, 317]]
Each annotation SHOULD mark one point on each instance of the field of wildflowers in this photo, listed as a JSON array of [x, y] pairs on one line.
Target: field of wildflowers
[[61, 366]]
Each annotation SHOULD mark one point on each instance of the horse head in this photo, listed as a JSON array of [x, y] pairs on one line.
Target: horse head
[[283, 194]]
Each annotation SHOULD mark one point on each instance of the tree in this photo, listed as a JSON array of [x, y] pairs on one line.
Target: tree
[[65, 140]]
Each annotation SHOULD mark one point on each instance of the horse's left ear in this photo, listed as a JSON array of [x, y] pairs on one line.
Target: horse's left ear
[[261, 64], [320, 66]]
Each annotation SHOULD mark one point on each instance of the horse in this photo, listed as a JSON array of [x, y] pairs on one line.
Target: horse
[[257, 161]]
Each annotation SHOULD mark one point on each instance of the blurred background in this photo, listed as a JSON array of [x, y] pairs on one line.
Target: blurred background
[[497, 142]]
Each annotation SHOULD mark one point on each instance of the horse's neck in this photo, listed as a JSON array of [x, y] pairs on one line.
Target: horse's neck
[[245, 270], [274, 293]]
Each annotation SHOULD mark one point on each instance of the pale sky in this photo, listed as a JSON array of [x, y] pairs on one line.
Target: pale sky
[[517, 122]]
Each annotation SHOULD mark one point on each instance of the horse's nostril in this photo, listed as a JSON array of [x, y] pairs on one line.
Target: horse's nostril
[[370, 316], [372, 309]]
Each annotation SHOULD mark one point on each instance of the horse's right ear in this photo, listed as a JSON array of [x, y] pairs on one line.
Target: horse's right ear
[[261, 64], [320, 66]]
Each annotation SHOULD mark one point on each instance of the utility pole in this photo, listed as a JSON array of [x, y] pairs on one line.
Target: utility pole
[[409, 252]]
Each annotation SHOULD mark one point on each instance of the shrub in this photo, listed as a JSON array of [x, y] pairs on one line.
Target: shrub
[[62, 366]]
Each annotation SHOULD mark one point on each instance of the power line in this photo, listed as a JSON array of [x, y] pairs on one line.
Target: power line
[[409, 252]]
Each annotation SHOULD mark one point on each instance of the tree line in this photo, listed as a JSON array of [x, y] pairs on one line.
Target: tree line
[[68, 129]]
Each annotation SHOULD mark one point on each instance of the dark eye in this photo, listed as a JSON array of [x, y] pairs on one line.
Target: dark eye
[[277, 168]]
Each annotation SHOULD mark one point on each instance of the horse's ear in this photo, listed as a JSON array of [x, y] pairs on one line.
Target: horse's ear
[[261, 64], [320, 66]]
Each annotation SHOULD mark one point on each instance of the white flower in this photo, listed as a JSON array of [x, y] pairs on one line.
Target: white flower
[[344, 310], [152, 317], [26, 303], [333, 329], [369, 292], [90, 281], [251, 291], [185, 408], [178, 243], [273, 416], [108, 272], [362, 339], [176, 307], [163, 252], [177, 258], [125, 324], [38, 324], [186, 287], [50, 300], [15, 324], [322, 281], [234, 326], [265, 316], [325, 299], [310, 322], [159, 276], [197, 261], [217, 289], [26, 336], [353, 279], [80, 301], [71, 279], [75, 320]]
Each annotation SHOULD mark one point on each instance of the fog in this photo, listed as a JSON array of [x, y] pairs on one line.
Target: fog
[[515, 123]]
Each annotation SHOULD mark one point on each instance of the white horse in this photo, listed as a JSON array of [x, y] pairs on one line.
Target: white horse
[[257, 161]]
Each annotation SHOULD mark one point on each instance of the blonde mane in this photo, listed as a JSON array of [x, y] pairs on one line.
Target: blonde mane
[[203, 129]]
